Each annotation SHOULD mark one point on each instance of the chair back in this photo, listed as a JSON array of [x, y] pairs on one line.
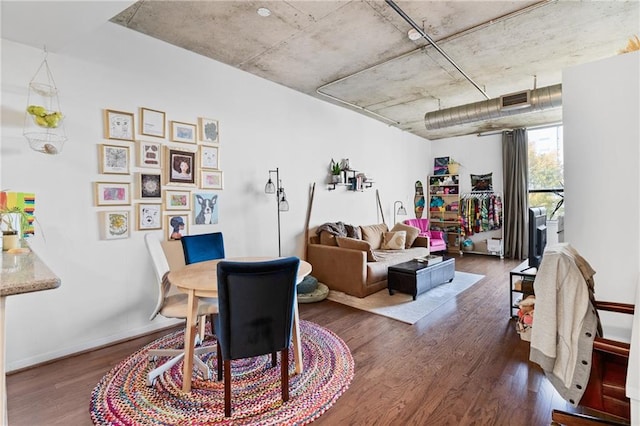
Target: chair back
[[255, 306], [160, 267], [199, 248], [422, 224]]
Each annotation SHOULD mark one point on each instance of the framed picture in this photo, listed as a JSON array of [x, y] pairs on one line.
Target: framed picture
[[149, 216], [177, 200], [113, 194], [211, 179], [209, 157], [205, 208], [183, 132], [114, 225], [114, 159], [209, 131], [149, 154], [440, 165], [118, 125], [148, 185], [177, 225], [152, 123], [482, 183], [180, 166]]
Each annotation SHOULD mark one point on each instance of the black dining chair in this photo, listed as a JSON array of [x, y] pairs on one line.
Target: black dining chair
[[255, 315], [202, 247]]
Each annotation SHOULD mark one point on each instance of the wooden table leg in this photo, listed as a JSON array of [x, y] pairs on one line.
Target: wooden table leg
[[189, 341], [297, 346]]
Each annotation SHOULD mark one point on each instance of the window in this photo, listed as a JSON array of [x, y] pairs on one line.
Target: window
[[546, 169]]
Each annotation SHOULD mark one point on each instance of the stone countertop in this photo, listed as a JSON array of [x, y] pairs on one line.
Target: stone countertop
[[25, 273]]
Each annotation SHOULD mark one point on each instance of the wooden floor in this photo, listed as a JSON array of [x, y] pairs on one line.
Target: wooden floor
[[463, 364]]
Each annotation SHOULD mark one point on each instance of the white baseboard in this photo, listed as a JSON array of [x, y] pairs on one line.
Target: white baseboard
[[89, 345]]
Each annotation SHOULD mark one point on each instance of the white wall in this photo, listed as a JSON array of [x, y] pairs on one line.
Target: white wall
[[107, 290], [601, 107], [478, 156]]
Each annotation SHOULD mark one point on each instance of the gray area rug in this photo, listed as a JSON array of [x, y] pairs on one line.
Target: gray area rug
[[401, 306]]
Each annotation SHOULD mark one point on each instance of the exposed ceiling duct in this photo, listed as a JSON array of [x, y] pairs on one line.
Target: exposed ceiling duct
[[541, 99]]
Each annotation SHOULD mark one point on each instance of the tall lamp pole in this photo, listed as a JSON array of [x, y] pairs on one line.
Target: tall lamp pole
[[281, 199]]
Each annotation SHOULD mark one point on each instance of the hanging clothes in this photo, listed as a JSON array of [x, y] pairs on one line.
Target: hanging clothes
[[480, 212]]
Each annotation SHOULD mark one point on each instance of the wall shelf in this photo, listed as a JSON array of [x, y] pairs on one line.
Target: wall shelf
[[352, 180]]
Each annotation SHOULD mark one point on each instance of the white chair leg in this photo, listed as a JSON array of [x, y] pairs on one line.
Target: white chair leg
[[154, 353], [200, 365], [153, 374]]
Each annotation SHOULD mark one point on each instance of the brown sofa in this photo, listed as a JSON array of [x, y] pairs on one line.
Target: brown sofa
[[359, 266]]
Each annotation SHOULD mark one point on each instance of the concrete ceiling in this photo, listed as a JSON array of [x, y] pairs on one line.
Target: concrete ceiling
[[357, 54]]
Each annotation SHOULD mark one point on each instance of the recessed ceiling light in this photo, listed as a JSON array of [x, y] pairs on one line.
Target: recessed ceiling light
[[413, 34], [263, 11]]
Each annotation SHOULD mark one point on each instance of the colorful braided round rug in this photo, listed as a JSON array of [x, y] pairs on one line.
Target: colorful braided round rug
[[122, 397]]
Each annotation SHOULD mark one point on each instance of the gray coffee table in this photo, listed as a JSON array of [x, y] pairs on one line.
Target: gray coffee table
[[415, 277]]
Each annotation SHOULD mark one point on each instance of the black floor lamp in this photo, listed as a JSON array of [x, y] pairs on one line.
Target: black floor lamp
[[281, 199]]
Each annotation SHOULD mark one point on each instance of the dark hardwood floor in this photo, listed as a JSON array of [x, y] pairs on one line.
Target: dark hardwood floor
[[463, 364]]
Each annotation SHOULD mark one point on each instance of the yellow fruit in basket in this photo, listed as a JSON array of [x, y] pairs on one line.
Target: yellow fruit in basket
[[53, 119], [36, 110], [40, 121]]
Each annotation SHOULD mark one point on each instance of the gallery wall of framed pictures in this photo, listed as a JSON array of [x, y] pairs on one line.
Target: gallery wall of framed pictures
[[165, 171]]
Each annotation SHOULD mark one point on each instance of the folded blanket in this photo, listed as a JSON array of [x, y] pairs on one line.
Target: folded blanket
[[339, 229]]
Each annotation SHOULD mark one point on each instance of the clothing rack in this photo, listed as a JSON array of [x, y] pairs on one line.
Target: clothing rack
[[482, 212]]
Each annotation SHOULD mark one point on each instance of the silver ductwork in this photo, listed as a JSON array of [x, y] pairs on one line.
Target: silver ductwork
[[524, 102]]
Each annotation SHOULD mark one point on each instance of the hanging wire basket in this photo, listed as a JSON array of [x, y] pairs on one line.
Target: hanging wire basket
[[43, 120]]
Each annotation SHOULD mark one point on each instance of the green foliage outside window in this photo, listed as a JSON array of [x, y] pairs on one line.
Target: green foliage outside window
[[546, 170]]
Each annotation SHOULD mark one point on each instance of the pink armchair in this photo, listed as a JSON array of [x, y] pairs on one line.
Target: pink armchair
[[436, 238]]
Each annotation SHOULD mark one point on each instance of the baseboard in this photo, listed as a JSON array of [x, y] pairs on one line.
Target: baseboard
[[49, 357]]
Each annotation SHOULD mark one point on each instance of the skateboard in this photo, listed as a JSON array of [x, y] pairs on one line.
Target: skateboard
[[418, 200]]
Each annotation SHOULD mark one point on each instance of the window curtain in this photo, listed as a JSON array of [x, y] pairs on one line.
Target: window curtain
[[515, 167]]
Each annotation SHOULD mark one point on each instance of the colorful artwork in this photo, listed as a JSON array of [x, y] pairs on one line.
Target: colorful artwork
[[418, 200], [440, 165], [25, 202]]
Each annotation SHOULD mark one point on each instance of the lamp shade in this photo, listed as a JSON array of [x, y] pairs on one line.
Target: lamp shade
[[270, 188]]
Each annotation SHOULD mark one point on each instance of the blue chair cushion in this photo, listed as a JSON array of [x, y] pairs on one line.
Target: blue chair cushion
[[199, 248]]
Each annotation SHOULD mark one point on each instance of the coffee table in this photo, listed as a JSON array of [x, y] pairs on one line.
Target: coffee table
[[415, 277]]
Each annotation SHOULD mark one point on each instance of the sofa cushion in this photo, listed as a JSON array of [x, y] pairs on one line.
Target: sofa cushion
[[355, 244], [412, 233], [373, 234], [394, 240], [327, 239]]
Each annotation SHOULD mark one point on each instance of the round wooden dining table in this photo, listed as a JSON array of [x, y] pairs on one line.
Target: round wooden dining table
[[201, 280]]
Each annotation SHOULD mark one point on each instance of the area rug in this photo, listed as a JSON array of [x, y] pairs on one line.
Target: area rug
[[122, 397], [402, 307]]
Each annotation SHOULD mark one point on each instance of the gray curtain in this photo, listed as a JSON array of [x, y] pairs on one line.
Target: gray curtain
[[515, 167]]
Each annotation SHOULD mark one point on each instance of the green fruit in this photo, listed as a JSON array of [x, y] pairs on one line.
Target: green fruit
[[40, 121], [36, 110]]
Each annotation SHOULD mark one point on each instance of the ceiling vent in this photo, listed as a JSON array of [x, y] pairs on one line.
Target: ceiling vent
[[541, 99], [515, 100]]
